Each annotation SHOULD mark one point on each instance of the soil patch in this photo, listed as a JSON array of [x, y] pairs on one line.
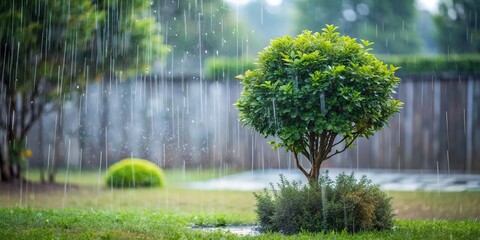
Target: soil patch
[[18, 186]]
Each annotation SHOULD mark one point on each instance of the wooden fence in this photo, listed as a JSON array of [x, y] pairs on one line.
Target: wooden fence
[[193, 123]]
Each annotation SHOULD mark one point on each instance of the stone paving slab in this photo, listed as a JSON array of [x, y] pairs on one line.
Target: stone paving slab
[[387, 179]]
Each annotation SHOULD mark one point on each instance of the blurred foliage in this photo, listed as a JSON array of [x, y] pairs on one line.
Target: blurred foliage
[[390, 24], [458, 24], [198, 29], [306, 91], [134, 172], [127, 40], [227, 68], [52, 47], [411, 64], [221, 68], [346, 204], [40, 40]]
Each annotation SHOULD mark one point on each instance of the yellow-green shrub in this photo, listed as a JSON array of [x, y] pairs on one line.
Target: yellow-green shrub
[[135, 172]]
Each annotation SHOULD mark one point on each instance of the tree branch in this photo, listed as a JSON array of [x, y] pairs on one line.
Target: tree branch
[[299, 166], [311, 147], [306, 154], [321, 149], [331, 140], [343, 139], [10, 112], [34, 117], [23, 113], [36, 110], [347, 145], [304, 150]]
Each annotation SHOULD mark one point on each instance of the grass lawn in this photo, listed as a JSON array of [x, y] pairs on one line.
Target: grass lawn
[[83, 224], [84, 208], [87, 190]]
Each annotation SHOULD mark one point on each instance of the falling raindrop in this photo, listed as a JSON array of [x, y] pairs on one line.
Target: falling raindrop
[[67, 175], [322, 103]]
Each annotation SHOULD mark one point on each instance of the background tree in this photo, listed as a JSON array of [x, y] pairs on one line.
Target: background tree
[[39, 40], [50, 48], [315, 94], [458, 25], [198, 29], [390, 24]]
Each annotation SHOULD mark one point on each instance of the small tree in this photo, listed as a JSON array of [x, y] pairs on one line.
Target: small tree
[[39, 40], [316, 94]]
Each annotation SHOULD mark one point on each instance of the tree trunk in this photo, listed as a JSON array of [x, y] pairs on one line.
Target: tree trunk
[[9, 136], [319, 147], [41, 153], [1, 162], [59, 145], [14, 158], [314, 173], [4, 166]]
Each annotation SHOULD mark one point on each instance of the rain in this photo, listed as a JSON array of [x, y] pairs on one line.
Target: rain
[[87, 83]]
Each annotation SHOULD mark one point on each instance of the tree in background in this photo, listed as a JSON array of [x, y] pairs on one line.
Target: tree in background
[[315, 94], [458, 24], [390, 24], [52, 47], [38, 41], [126, 42], [198, 29]]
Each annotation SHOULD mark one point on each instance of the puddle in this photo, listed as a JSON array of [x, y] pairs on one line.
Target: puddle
[[238, 230], [387, 179]]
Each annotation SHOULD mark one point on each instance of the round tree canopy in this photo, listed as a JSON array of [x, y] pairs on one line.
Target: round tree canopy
[[317, 84]]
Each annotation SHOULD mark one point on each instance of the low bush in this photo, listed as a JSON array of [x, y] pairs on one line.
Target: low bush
[[134, 172], [346, 204]]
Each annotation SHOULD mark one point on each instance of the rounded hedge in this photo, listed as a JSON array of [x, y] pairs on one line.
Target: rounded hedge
[[135, 172], [345, 204]]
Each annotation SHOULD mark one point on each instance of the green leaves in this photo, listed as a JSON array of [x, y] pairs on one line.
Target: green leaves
[[330, 31], [318, 82], [366, 43]]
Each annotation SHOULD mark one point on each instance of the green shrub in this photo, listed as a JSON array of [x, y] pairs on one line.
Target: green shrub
[[220, 68], [134, 172], [346, 204], [417, 64]]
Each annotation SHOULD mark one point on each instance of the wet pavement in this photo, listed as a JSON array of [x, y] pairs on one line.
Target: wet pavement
[[387, 179]]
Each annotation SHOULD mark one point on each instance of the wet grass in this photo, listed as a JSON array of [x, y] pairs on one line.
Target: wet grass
[[86, 209], [436, 205], [82, 224], [86, 190]]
